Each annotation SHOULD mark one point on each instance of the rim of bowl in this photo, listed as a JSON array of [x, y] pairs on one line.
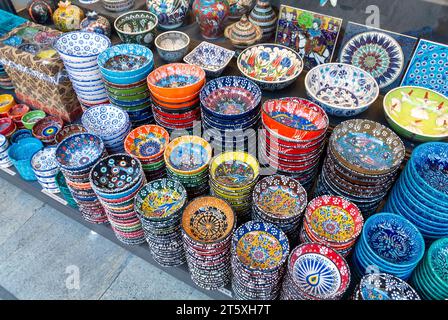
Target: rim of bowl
[[136, 11], [119, 129], [171, 32], [339, 107], [150, 60], [399, 125], [238, 63], [201, 79], [109, 43]]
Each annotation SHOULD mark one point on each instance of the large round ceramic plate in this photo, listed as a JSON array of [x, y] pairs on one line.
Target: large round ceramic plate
[[377, 53], [383, 286]]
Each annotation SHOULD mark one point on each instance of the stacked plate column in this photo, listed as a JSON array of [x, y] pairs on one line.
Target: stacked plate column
[[46, 168]]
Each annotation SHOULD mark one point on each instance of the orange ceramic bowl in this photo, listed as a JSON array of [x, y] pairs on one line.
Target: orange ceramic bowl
[[147, 142], [175, 105], [182, 100], [176, 80]]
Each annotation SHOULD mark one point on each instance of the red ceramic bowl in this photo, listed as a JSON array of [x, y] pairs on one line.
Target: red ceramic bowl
[[176, 80], [17, 112], [7, 127], [275, 139], [68, 131], [46, 128], [174, 116], [275, 146], [294, 118]]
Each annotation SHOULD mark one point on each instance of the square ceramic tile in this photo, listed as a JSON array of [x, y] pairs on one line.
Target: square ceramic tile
[[384, 54], [429, 67], [312, 35]]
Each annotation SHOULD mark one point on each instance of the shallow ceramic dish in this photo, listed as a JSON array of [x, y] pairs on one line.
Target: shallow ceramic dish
[[417, 113], [366, 146], [176, 80], [271, 66], [341, 89], [210, 57], [136, 27], [105, 120], [188, 155], [77, 46], [208, 220], [79, 151], [147, 142], [125, 60], [46, 128], [172, 46], [296, 119], [170, 13]]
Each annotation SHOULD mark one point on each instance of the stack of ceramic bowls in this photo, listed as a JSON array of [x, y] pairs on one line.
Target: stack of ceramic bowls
[[68, 131], [21, 153], [46, 129], [315, 272], [6, 103], [5, 162], [65, 191], [46, 168], [5, 81], [388, 243], [19, 135], [430, 278], [79, 51], [332, 221], [233, 176], [230, 106], [281, 201], [147, 143], [207, 227], [421, 193], [124, 69], [294, 137], [175, 91], [259, 252], [110, 123], [362, 161], [7, 127], [16, 113], [383, 286], [187, 160], [76, 156], [116, 180], [159, 205]]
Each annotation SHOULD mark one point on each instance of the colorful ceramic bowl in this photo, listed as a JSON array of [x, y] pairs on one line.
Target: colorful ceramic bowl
[[20, 134], [30, 118], [77, 48], [172, 46], [341, 89], [21, 153], [296, 119], [7, 127], [176, 80], [437, 261], [46, 129], [118, 5], [147, 142], [106, 121], [271, 66], [210, 57], [188, 155], [417, 113], [6, 103], [171, 14], [383, 286], [136, 27], [68, 131], [17, 112]]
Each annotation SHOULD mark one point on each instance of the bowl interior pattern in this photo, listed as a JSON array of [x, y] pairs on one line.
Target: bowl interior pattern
[[172, 41], [79, 151], [209, 56], [136, 22], [105, 120], [125, 57], [82, 44], [147, 141], [176, 75]]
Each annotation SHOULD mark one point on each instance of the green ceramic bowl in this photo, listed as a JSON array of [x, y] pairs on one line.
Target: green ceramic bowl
[[137, 27], [425, 286], [127, 91], [431, 281], [137, 96], [29, 119]]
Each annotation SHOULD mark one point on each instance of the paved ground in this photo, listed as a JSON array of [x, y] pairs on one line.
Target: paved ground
[[45, 255]]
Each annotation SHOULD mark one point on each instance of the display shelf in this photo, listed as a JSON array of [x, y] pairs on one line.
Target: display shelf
[[54, 200]]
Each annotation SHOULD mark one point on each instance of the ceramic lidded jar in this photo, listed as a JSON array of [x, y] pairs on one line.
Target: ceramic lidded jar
[[170, 13], [41, 11], [67, 17], [238, 8], [243, 33], [264, 16], [96, 23], [211, 16]]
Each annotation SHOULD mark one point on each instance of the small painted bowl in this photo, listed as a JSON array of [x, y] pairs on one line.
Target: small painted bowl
[[385, 286], [172, 46], [147, 142], [271, 66], [46, 129], [171, 14], [176, 80], [210, 57], [118, 5], [6, 103], [125, 60], [417, 113], [20, 134], [341, 89], [18, 111], [188, 155], [296, 119], [7, 127], [68, 131], [137, 27], [78, 47], [44, 163], [106, 121], [79, 151]]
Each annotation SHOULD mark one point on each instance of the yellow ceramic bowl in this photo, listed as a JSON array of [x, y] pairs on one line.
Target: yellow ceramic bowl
[[6, 102], [234, 170], [188, 155]]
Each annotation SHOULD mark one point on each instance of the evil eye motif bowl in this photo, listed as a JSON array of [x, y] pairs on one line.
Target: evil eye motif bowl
[[172, 46], [78, 46], [341, 89], [136, 27], [46, 129], [170, 13], [105, 120], [79, 151], [147, 142], [271, 66], [230, 97], [125, 60]]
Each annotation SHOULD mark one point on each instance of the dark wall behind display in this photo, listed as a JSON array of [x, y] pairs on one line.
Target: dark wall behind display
[[417, 18]]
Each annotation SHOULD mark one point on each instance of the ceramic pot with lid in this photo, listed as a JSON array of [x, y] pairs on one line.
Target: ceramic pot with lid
[[67, 17], [243, 33], [264, 16]]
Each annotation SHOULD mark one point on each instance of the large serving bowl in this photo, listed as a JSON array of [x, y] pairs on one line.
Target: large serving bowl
[[271, 66], [341, 89], [172, 46], [417, 113], [136, 27], [230, 97], [176, 80], [296, 119], [170, 13], [125, 60]]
